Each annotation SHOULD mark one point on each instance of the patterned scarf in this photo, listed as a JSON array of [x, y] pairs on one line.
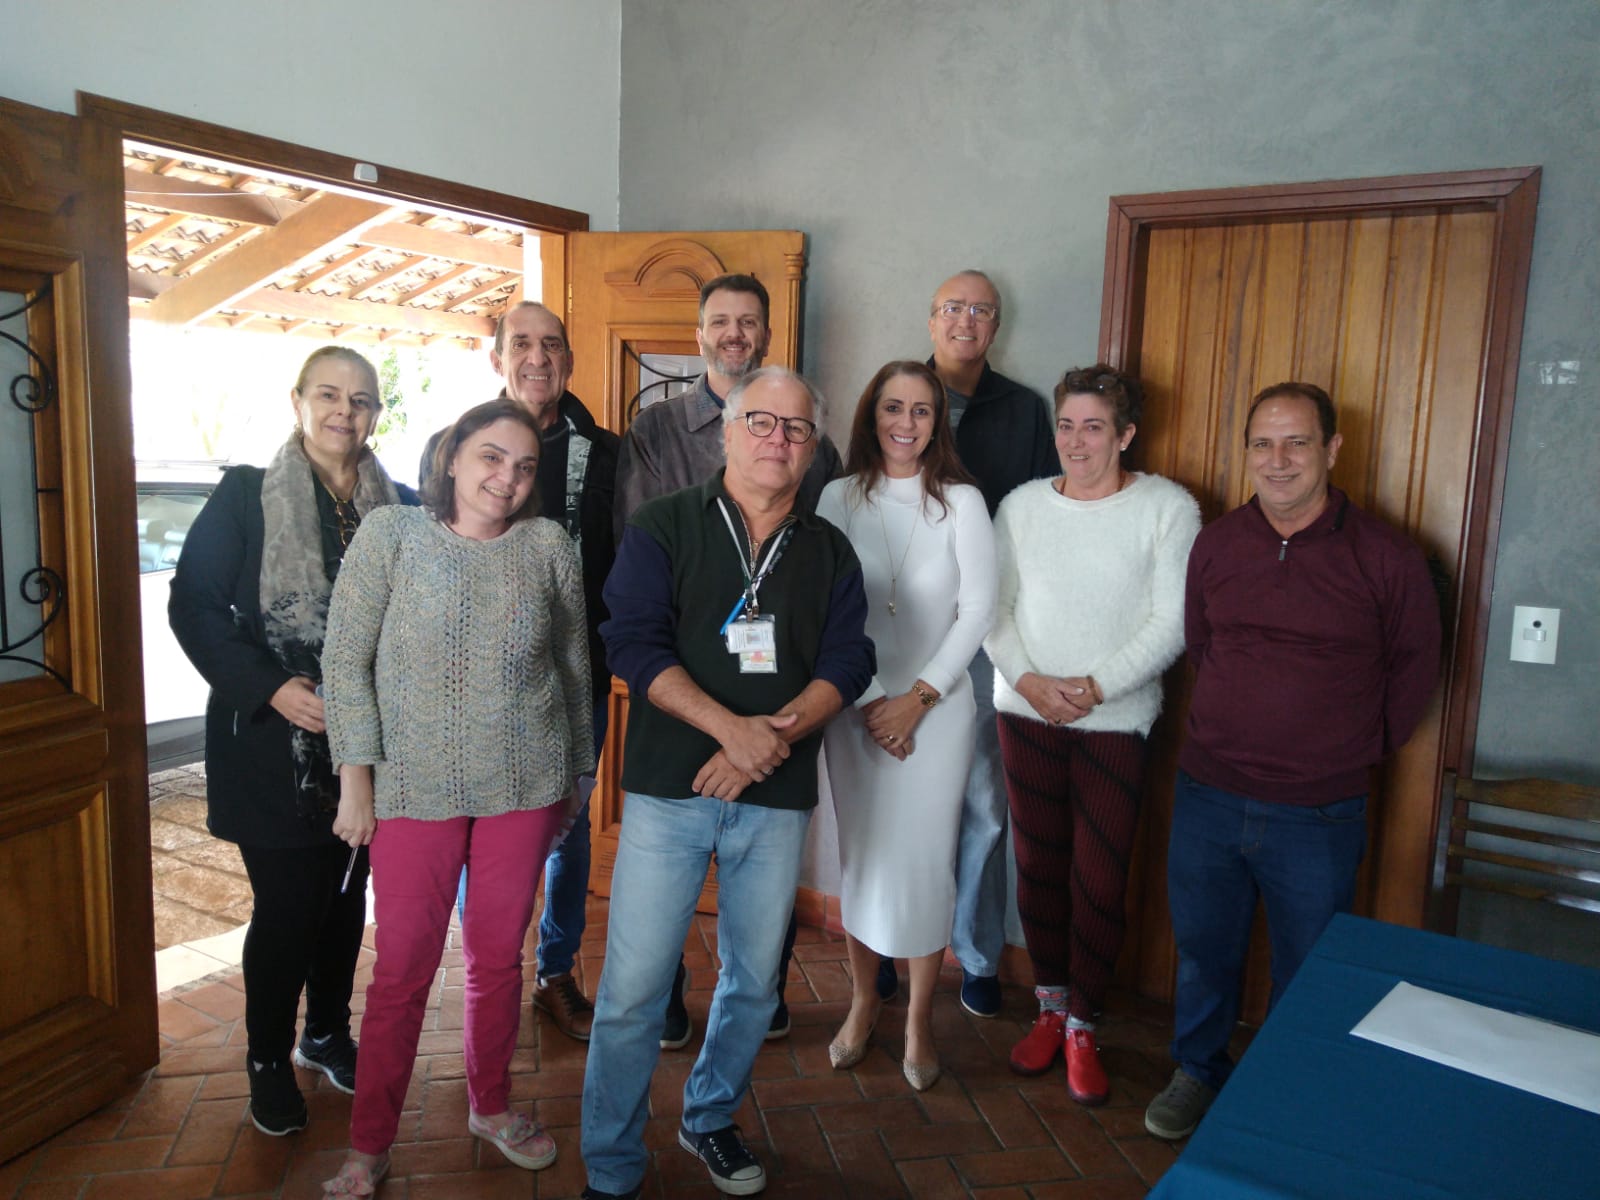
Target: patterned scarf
[[294, 596]]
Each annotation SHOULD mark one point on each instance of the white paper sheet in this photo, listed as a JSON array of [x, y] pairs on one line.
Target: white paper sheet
[[1520, 1051]]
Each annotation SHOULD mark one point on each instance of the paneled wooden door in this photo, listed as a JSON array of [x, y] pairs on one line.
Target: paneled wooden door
[[78, 1005], [628, 294], [1402, 297]]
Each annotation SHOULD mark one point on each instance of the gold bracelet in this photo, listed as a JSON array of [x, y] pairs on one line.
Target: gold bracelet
[[923, 694]]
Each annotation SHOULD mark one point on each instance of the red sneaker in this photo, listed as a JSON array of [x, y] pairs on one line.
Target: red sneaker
[[1086, 1078], [1036, 1053]]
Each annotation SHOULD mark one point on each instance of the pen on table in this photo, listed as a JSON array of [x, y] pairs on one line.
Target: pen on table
[[349, 867]]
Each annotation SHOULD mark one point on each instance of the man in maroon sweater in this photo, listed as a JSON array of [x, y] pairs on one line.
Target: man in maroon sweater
[[1313, 628]]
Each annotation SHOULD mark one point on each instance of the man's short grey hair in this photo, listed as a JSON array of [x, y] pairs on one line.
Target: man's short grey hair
[[971, 273], [735, 400]]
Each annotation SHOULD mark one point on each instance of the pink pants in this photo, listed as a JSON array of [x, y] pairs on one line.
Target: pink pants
[[416, 868]]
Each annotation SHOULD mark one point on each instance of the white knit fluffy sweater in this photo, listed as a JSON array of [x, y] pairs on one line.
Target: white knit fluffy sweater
[[459, 669], [1092, 587]]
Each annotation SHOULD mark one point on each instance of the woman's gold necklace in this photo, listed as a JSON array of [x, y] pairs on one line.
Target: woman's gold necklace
[[894, 571], [344, 514]]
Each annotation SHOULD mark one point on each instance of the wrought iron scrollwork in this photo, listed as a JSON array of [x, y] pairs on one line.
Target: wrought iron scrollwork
[[35, 391], [43, 587]]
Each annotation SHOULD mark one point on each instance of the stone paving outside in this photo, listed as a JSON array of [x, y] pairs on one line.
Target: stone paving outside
[[200, 886]]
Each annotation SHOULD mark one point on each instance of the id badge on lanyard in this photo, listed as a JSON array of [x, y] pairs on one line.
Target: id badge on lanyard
[[749, 633], [755, 641]]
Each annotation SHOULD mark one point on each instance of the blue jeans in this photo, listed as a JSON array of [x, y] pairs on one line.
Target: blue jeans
[[566, 885], [1226, 850], [662, 856], [980, 922]]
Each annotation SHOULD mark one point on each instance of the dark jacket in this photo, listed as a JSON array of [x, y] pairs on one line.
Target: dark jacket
[[1315, 656], [678, 574], [215, 612], [1005, 436], [597, 550]]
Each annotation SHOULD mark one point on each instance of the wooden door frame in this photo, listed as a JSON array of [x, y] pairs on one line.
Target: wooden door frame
[[1513, 195], [271, 154]]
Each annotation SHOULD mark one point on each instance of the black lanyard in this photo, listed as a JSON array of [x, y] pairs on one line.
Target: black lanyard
[[752, 583]]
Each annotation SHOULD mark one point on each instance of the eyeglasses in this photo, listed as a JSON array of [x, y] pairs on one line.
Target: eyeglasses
[[982, 313], [796, 429]]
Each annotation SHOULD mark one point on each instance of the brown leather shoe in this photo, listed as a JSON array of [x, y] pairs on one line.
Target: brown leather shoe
[[569, 1008]]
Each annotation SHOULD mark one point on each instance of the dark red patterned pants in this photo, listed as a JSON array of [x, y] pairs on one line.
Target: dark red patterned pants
[[1074, 800]]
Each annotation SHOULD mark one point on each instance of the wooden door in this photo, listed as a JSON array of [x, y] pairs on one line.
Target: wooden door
[[78, 1007], [1403, 298], [628, 294]]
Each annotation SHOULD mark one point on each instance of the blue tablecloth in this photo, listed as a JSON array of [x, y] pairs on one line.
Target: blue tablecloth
[[1312, 1112]]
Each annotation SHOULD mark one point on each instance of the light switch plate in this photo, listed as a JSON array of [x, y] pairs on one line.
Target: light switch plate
[[1533, 634]]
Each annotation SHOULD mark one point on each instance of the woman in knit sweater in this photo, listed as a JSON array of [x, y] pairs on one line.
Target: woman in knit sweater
[[458, 707], [1090, 614]]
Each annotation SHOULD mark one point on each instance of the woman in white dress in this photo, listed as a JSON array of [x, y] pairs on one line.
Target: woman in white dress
[[897, 762]]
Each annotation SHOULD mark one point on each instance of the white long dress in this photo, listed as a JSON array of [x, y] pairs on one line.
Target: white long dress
[[898, 821]]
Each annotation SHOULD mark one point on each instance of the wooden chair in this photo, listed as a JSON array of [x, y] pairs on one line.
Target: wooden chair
[[1572, 882]]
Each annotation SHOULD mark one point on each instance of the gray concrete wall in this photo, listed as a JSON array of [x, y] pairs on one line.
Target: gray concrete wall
[[909, 138], [518, 96]]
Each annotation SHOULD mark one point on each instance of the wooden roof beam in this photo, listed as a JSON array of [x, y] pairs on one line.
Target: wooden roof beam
[[331, 268], [157, 228], [405, 265], [494, 285], [204, 199], [440, 243], [332, 221], [434, 284], [293, 305], [211, 249]]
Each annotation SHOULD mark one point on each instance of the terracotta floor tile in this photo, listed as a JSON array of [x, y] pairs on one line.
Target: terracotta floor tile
[[932, 1179], [58, 1189], [216, 1000], [1035, 1164], [161, 1107], [172, 1183], [209, 1132], [257, 1164], [1150, 1156], [786, 1093], [870, 1114], [981, 1132], [96, 1158], [1127, 1187], [938, 1141], [180, 1021], [865, 1166]]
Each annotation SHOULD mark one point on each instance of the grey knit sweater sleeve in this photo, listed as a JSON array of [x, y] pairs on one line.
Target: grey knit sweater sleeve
[[459, 669]]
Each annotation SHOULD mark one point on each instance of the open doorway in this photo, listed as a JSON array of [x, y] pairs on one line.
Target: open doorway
[[240, 263]]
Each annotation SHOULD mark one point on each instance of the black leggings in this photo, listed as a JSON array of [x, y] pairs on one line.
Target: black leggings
[[303, 935], [1074, 808]]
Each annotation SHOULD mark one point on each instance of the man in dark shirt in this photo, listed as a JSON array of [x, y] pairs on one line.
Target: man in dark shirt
[[678, 443], [1313, 628], [739, 623], [576, 480], [1004, 437]]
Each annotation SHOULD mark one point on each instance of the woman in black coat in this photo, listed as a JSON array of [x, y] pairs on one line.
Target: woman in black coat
[[249, 606]]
